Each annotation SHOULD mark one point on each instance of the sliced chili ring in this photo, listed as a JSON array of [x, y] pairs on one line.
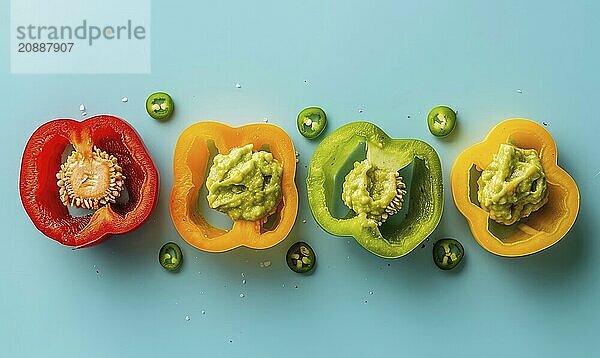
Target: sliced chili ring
[[300, 257], [311, 122], [447, 253], [441, 121], [160, 106], [170, 256]]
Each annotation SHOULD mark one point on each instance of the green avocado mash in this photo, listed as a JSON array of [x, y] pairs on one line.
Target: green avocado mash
[[373, 192], [243, 184], [513, 185]]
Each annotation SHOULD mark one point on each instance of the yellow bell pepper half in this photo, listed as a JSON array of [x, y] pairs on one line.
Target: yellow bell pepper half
[[542, 228], [192, 162]]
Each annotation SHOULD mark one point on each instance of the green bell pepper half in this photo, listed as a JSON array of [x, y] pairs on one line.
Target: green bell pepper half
[[426, 198]]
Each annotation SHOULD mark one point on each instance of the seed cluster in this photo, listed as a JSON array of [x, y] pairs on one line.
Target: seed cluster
[[90, 182], [301, 259], [395, 205]]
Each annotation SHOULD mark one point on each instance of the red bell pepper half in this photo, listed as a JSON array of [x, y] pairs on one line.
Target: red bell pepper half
[[42, 161]]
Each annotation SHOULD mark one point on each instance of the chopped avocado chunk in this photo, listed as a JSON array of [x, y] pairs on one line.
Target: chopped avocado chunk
[[513, 185], [243, 184]]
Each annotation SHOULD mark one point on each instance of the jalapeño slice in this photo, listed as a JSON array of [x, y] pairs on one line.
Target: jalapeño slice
[[160, 106], [447, 253], [311, 122], [301, 258], [441, 121], [170, 256]]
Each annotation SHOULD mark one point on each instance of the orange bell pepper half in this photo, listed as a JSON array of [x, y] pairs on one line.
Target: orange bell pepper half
[[191, 163], [544, 227]]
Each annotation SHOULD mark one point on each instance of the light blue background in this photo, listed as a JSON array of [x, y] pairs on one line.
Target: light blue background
[[87, 55], [391, 59]]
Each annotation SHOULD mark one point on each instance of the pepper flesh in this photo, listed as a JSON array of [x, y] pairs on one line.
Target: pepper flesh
[[426, 188], [543, 228], [190, 167], [40, 193]]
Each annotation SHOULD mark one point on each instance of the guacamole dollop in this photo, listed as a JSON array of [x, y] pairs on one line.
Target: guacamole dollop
[[244, 184], [513, 185], [369, 190]]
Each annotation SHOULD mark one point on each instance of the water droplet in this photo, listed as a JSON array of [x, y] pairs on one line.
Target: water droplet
[[305, 81], [304, 221], [243, 274], [408, 116], [203, 312], [348, 242], [347, 258], [366, 301], [237, 85], [296, 286], [83, 114], [519, 91], [370, 292], [243, 281], [124, 99], [230, 341], [201, 292], [360, 110], [82, 107], [265, 119], [283, 285], [242, 295], [187, 318], [265, 263]]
